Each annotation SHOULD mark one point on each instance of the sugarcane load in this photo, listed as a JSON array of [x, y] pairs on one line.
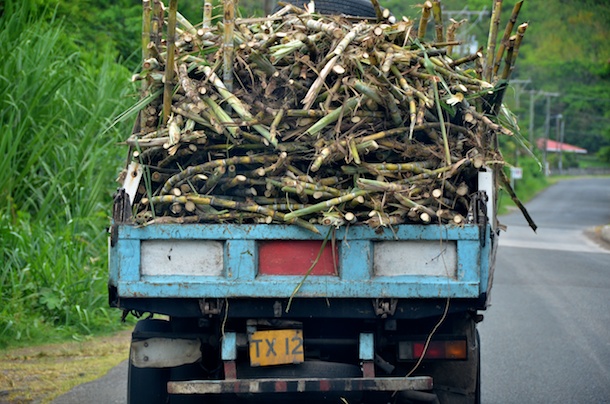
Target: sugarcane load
[[303, 118]]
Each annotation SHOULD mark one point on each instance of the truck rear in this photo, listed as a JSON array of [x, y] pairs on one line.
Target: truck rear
[[316, 225]]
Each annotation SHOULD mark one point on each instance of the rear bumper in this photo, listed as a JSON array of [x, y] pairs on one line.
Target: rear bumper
[[261, 386]]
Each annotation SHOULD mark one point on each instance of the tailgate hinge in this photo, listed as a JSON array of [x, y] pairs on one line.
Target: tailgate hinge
[[385, 307]]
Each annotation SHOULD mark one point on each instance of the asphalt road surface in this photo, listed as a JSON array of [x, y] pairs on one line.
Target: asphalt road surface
[[546, 337]]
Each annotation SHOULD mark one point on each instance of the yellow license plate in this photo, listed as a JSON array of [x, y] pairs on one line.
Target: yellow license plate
[[276, 347]]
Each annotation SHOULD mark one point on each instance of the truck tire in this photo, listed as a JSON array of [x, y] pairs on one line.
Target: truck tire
[[356, 8], [477, 395], [147, 385]]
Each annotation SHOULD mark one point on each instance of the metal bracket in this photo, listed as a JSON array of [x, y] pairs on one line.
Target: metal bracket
[[211, 307], [121, 213], [385, 307], [478, 213]]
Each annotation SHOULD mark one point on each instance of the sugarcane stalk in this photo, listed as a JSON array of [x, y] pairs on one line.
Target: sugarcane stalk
[[507, 33], [189, 88], [492, 39], [380, 186], [329, 28], [510, 48], [333, 116], [169, 65], [506, 184], [383, 220], [228, 45], [314, 187], [438, 21], [325, 204], [202, 168], [262, 63], [223, 119], [236, 104], [411, 204], [423, 21], [416, 167], [367, 90], [408, 88], [157, 23], [519, 38], [325, 154], [224, 203], [207, 15], [439, 111], [354, 151], [146, 25], [451, 30], [466, 59], [332, 57]]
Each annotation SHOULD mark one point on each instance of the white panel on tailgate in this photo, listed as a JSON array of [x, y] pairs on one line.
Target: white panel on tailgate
[[182, 257], [428, 258]]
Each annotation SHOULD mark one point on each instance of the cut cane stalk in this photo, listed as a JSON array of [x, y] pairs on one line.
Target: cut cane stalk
[[423, 21], [325, 205], [492, 38], [236, 104], [507, 33]]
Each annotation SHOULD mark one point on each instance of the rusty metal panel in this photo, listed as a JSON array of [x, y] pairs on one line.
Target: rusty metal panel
[[416, 257]]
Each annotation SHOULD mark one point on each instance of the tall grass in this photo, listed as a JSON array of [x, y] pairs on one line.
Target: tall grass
[[57, 165]]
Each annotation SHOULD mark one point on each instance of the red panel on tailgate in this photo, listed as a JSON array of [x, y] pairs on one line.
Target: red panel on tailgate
[[295, 257]]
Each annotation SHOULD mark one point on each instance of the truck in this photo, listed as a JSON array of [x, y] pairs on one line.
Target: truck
[[384, 314], [271, 312]]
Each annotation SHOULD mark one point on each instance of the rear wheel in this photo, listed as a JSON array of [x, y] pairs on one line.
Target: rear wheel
[[147, 385], [356, 8]]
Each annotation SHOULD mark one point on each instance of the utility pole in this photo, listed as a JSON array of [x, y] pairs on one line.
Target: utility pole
[[519, 86], [558, 125], [532, 109], [547, 127]]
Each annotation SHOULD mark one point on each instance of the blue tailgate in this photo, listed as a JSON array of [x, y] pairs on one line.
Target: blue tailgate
[[221, 260]]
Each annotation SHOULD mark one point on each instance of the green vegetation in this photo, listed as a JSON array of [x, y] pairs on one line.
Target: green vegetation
[[58, 165]]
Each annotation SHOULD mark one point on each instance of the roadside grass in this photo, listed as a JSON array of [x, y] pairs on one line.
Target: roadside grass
[[58, 164], [42, 373]]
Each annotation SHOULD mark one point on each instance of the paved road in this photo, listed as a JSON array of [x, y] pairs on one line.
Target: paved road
[[546, 338]]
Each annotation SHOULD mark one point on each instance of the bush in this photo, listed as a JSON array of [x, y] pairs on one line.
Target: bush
[[59, 160]]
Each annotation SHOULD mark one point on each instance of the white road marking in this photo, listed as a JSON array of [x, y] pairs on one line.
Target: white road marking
[[555, 239]]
